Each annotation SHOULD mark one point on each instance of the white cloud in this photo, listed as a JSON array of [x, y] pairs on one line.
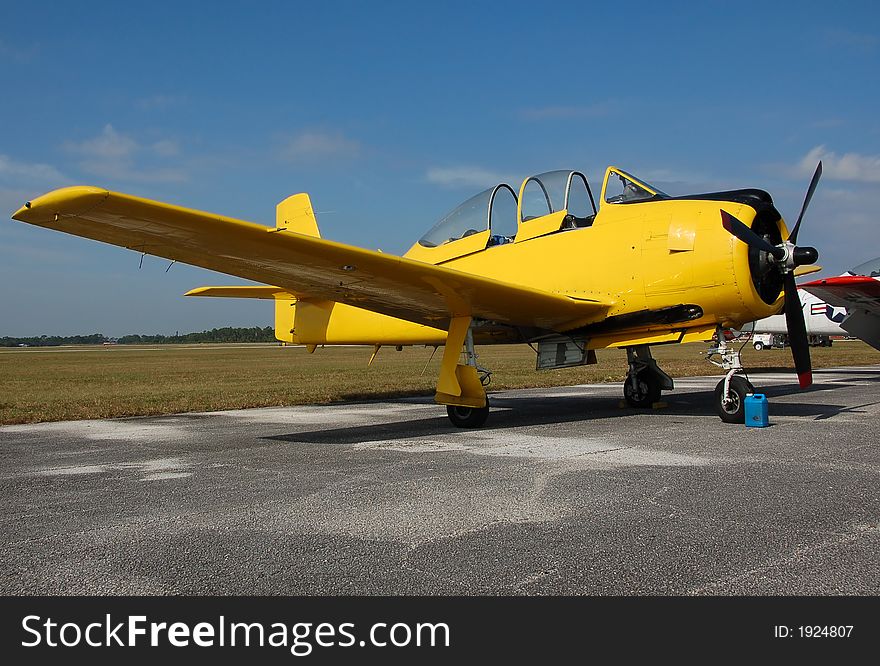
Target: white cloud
[[114, 155], [597, 110], [318, 145], [467, 176], [165, 148], [26, 173], [849, 166], [160, 102], [109, 144]]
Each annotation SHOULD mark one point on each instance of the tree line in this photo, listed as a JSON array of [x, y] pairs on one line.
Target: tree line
[[225, 334]]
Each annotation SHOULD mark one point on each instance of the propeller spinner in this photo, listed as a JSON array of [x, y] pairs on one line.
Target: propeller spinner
[[784, 258]]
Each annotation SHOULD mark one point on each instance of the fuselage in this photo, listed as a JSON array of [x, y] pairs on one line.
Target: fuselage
[[640, 257]]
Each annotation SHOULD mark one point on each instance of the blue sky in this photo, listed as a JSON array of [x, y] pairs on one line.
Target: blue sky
[[391, 113]]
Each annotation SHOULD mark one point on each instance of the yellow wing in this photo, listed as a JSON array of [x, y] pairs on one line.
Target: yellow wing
[[303, 265]]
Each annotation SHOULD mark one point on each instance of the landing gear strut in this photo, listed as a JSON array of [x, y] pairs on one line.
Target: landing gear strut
[[731, 392], [462, 383], [645, 380], [471, 417]]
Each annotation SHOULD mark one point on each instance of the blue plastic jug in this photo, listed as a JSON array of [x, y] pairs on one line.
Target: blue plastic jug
[[756, 411]]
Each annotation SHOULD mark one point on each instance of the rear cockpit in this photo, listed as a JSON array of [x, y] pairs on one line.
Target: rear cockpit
[[492, 209]]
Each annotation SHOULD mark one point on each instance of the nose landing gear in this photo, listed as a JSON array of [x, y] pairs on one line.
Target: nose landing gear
[[730, 392]]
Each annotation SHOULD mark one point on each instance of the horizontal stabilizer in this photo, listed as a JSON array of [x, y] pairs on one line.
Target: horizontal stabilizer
[[268, 293]]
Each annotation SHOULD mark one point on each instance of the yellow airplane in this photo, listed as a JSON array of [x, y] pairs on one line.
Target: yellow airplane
[[542, 266]]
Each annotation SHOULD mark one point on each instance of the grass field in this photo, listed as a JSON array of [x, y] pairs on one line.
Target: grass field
[[61, 383]]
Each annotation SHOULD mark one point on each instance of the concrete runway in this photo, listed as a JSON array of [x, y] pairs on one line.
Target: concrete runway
[[564, 492]]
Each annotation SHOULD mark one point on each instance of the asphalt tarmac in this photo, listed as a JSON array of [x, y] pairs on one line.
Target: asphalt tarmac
[[563, 492]]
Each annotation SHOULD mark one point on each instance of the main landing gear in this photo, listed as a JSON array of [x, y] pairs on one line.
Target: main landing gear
[[731, 392], [462, 383], [471, 417], [645, 380]]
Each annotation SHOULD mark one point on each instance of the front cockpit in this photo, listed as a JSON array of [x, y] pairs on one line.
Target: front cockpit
[[550, 202]]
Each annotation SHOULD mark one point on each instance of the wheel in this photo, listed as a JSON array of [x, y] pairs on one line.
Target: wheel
[[647, 390], [735, 410], [759, 346], [467, 417]]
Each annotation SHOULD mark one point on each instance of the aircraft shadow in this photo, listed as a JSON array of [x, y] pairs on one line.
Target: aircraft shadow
[[506, 413], [510, 412]]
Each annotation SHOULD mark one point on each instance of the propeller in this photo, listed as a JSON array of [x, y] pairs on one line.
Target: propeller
[[797, 332], [812, 188], [784, 258]]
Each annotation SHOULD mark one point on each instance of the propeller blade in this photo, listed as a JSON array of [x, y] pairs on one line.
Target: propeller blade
[[812, 188], [797, 332], [749, 237]]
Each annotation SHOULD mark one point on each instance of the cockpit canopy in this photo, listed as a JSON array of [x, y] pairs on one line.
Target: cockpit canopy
[[498, 209], [547, 203]]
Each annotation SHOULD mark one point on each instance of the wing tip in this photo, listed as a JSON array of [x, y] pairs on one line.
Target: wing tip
[[66, 201]]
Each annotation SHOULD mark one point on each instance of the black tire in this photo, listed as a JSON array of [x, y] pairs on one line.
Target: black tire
[[735, 412], [467, 417], [759, 346], [647, 392]]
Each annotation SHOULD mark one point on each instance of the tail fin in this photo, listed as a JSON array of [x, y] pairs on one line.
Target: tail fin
[[295, 213], [285, 304]]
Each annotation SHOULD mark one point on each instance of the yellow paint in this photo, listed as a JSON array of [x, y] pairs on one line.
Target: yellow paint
[[450, 250], [539, 226], [264, 292], [634, 257], [326, 322], [448, 382], [285, 312], [458, 384], [471, 394], [295, 213]]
